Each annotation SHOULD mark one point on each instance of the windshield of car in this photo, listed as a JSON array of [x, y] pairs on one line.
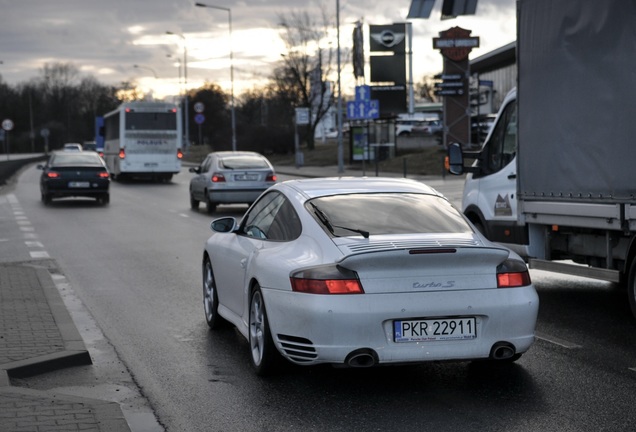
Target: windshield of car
[[70, 159], [386, 213], [242, 162]]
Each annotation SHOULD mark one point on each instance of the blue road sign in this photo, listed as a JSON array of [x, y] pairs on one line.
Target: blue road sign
[[363, 110], [363, 93]]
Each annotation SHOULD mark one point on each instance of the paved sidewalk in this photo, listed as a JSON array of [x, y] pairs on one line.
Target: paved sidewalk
[[37, 335]]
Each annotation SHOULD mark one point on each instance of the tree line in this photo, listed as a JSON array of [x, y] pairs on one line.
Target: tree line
[[65, 103]]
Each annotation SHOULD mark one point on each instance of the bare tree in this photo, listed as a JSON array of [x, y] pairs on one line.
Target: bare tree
[[426, 88], [307, 65]]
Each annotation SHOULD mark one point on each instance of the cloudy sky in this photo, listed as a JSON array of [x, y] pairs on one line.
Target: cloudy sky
[[107, 38]]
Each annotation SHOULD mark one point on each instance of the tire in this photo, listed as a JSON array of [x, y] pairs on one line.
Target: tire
[[211, 298], [631, 287], [46, 198], [264, 356], [103, 199], [194, 203]]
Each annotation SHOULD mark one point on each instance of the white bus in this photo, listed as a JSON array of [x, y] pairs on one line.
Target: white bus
[[143, 139]]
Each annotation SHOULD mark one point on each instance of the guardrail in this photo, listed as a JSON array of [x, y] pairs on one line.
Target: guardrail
[[13, 163]]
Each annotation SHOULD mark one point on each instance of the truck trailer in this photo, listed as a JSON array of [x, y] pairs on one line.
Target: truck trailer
[[555, 179]]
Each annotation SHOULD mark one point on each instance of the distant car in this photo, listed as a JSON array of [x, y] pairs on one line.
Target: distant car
[[72, 147], [418, 123], [90, 146], [428, 127], [228, 177], [74, 174], [364, 271], [405, 127]]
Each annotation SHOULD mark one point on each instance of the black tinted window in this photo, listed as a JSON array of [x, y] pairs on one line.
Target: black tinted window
[[79, 158], [242, 162], [388, 213], [151, 121], [272, 217]]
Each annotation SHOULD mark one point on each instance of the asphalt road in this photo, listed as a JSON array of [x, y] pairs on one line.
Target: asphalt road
[[132, 272]]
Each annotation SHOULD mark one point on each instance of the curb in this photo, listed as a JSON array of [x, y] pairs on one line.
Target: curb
[[75, 352]]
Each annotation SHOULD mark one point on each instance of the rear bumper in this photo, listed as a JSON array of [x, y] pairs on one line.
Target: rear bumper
[[313, 329], [60, 189], [234, 196]]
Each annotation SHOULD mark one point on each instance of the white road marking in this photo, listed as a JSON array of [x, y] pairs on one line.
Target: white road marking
[[556, 341], [40, 254]]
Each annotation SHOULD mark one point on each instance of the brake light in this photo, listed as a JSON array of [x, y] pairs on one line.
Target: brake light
[[326, 280], [512, 273], [179, 154], [53, 174], [122, 153], [271, 177], [218, 178], [103, 174]]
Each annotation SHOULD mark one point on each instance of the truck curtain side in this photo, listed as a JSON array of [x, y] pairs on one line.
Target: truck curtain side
[[565, 198]]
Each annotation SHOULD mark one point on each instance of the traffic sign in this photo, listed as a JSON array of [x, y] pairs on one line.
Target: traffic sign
[[363, 93], [199, 107], [363, 109], [199, 118], [302, 116], [7, 124], [449, 92]]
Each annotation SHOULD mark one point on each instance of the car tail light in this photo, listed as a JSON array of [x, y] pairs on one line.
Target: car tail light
[[53, 174], [103, 174], [271, 177], [217, 178], [122, 154], [179, 154], [326, 280], [512, 273]]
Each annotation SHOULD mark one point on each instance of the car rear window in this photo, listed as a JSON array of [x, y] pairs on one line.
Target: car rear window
[[70, 159], [388, 213], [243, 162]]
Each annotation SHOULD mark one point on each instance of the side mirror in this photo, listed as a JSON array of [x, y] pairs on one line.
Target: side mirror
[[196, 170], [223, 225], [455, 159], [40, 167]]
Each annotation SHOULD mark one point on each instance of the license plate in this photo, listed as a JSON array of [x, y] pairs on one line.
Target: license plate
[[151, 164], [246, 177], [432, 330], [79, 184]]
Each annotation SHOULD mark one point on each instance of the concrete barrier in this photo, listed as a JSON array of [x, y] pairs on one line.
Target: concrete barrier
[[11, 165]]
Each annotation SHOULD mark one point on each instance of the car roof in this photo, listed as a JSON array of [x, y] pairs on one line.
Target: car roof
[[236, 153], [317, 187]]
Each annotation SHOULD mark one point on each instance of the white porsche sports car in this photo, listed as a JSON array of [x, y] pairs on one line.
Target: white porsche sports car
[[361, 272]]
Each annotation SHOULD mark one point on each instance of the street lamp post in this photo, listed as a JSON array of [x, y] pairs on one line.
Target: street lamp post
[[340, 143], [229, 15], [185, 83], [147, 68]]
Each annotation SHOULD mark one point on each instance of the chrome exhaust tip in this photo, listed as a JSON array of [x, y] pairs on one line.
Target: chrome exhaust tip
[[502, 351], [362, 358]]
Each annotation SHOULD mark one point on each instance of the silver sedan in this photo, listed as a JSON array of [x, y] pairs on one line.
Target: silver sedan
[[228, 177]]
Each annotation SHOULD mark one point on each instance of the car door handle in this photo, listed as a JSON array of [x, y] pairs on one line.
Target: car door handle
[[243, 262], [512, 176]]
